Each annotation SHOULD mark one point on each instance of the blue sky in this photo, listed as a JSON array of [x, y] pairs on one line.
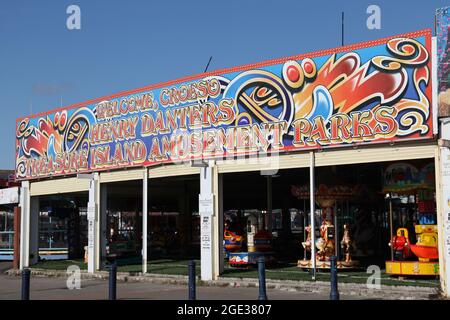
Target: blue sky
[[128, 44]]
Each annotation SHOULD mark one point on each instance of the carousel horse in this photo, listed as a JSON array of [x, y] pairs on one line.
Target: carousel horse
[[347, 243], [325, 244], [307, 244]]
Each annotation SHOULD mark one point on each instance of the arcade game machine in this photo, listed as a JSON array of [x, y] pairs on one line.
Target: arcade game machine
[[412, 210], [244, 247]]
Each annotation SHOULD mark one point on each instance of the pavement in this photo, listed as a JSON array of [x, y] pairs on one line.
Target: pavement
[[5, 265], [52, 285], [45, 288], [55, 288]]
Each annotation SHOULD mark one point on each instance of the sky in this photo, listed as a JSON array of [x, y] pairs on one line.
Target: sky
[[129, 44]]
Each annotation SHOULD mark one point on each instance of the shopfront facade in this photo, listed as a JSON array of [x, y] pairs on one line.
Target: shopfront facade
[[9, 199], [370, 105]]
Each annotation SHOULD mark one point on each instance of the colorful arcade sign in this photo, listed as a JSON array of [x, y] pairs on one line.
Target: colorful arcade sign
[[404, 178], [377, 91], [443, 60]]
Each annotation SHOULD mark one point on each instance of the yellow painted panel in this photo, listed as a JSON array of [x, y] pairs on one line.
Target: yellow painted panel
[[412, 268], [328, 157], [371, 154], [172, 170], [57, 186], [122, 175]]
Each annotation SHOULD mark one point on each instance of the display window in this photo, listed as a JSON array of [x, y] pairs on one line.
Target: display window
[[6, 234]]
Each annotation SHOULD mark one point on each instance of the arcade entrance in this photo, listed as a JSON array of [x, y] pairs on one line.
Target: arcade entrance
[[173, 222], [358, 210], [63, 226]]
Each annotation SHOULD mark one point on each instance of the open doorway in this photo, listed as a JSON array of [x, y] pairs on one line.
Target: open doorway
[[353, 219]]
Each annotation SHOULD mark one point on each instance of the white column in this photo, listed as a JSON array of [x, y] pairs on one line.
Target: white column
[[208, 207], [219, 201], [312, 210], [24, 225], [29, 227], [93, 225], [442, 171], [144, 220]]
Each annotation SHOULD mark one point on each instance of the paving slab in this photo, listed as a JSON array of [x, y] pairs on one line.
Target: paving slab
[[287, 287]]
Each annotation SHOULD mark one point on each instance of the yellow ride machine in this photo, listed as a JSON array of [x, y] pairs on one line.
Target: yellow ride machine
[[421, 258], [426, 250]]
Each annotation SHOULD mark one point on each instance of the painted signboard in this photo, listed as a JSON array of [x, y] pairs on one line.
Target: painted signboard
[[9, 195], [443, 60], [372, 92]]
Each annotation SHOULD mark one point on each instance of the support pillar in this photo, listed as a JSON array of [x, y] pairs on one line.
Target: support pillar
[[93, 224], [29, 227], [312, 210], [25, 225], [442, 172], [209, 222], [220, 224], [144, 220]]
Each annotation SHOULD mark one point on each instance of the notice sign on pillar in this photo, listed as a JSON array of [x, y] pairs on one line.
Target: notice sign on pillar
[[91, 225], [206, 232], [206, 210], [206, 205]]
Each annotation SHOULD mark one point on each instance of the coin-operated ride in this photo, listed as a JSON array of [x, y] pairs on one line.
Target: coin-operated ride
[[232, 241], [401, 245], [325, 244], [347, 243], [425, 250], [259, 243], [326, 197], [422, 258]]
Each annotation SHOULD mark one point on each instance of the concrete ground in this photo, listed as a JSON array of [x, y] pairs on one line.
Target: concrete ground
[[5, 265], [48, 288], [56, 289]]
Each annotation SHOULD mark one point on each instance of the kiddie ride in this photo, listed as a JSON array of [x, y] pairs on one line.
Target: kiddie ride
[[426, 249], [402, 180], [259, 244], [326, 197]]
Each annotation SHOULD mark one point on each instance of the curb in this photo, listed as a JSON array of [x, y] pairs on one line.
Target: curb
[[348, 289]]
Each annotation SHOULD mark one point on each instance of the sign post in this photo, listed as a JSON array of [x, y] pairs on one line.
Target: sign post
[[92, 218]]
